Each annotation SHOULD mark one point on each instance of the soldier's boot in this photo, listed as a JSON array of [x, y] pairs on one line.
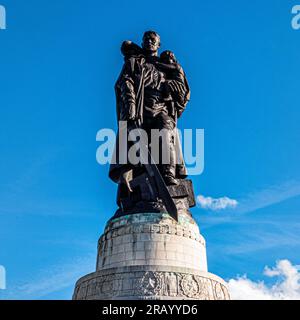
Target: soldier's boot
[[169, 170], [169, 175]]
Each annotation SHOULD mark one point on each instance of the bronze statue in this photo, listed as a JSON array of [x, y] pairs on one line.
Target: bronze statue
[[151, 93]]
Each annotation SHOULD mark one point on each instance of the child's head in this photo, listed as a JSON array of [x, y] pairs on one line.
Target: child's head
[[168, 57], [129, 49]]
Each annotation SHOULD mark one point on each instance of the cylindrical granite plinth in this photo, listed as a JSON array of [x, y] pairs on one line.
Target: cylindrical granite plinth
[[151, 256]]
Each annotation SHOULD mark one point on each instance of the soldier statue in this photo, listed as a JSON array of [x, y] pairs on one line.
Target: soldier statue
[[151, 93]]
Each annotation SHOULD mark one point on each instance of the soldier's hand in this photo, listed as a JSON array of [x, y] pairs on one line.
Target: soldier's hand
[[131, 121], [131, 112]]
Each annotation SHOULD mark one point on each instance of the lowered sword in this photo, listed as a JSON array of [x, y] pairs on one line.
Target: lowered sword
[[153, 171]]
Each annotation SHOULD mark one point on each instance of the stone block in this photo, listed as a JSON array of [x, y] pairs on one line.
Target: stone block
[[140, 255]]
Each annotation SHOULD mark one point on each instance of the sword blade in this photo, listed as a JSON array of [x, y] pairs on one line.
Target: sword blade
[[153, 171]]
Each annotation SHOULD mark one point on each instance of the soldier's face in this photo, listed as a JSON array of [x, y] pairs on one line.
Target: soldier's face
[[150, 43]]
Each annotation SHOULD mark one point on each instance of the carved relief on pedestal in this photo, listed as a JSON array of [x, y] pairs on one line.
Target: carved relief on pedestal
[[220, 293], [189, 286], [205, 288], [170, 284], [152, 284]]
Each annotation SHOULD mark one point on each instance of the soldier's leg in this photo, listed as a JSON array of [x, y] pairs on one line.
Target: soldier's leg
[[167, 147]]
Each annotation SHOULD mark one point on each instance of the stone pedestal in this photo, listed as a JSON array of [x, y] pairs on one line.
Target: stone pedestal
[[151, 256]]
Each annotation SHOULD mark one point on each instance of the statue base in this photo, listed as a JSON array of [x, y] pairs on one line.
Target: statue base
[[150, 256]]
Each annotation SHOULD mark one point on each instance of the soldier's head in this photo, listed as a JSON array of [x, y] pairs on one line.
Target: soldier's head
[[151, 42]]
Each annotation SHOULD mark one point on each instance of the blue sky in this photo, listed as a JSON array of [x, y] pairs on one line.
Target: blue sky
[[59, 61]]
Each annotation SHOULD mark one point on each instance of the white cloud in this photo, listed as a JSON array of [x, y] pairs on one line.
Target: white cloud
[[269, 196], [216, 204], [253, 201], [287, 286]]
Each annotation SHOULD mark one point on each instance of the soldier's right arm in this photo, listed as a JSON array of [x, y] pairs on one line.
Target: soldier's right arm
[[127, 92]]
